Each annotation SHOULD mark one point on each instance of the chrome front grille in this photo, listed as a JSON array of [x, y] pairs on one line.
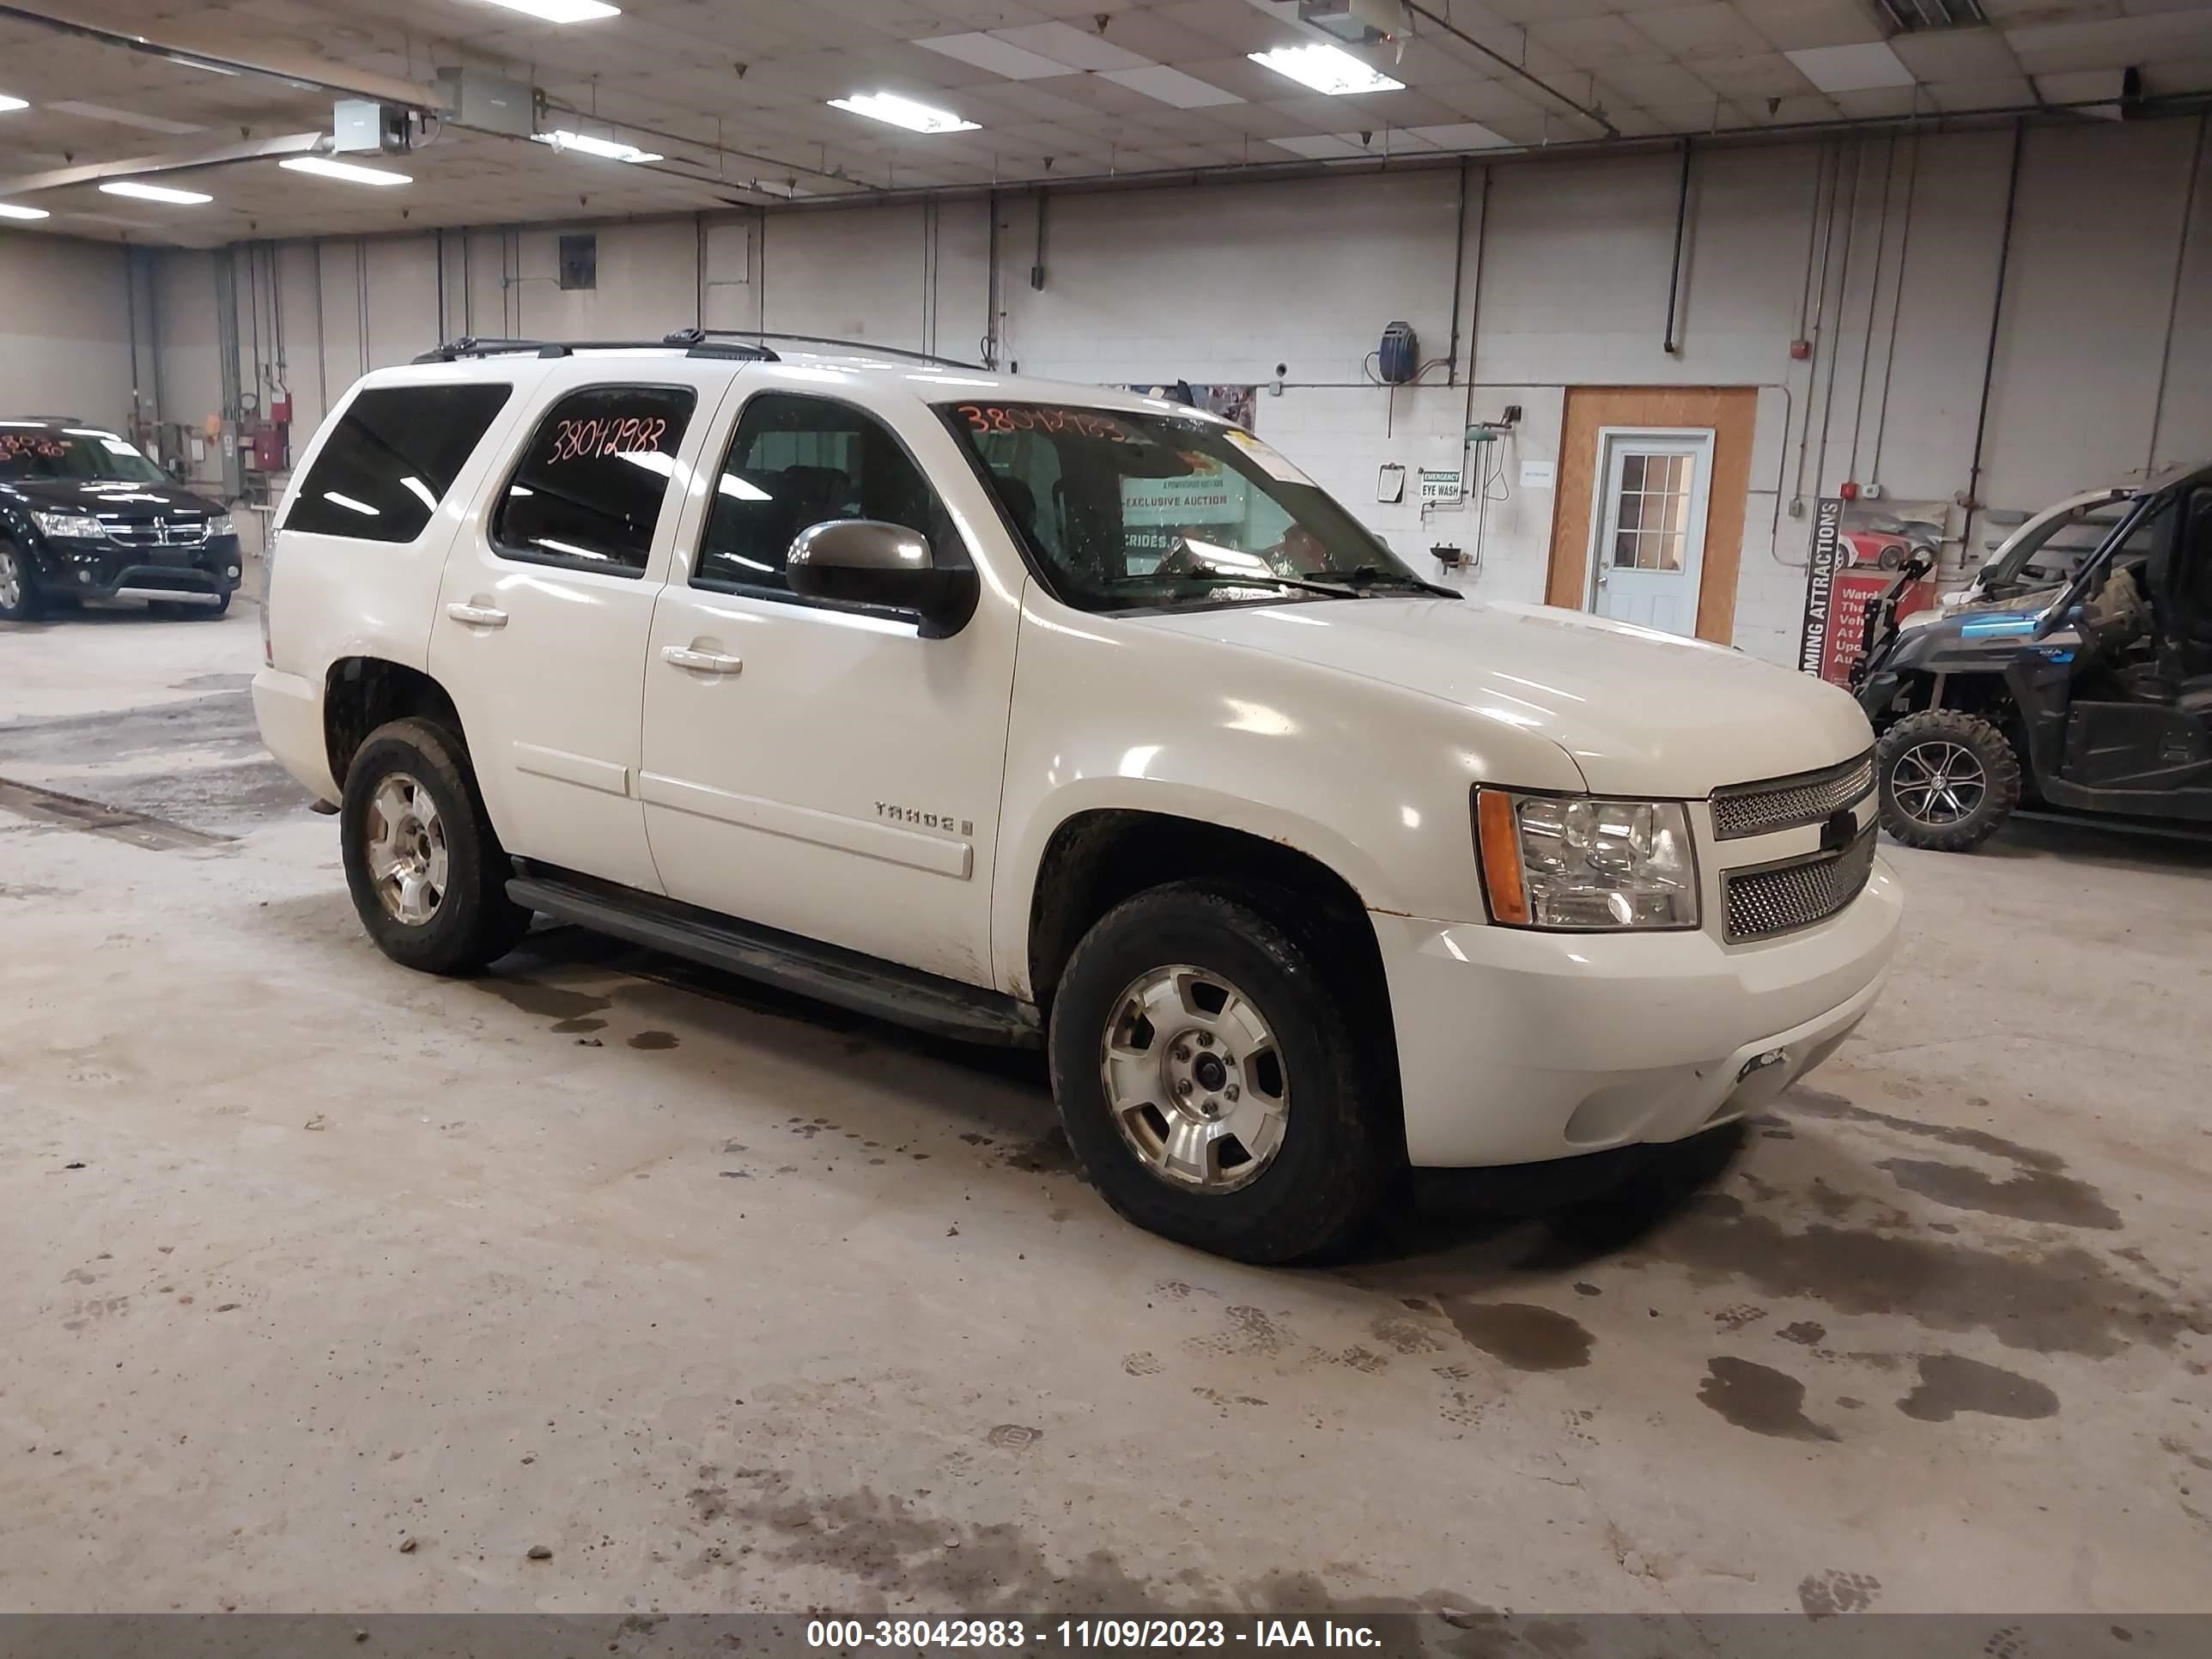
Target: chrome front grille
[[1766, 900], [159, 533], [1760, 808]]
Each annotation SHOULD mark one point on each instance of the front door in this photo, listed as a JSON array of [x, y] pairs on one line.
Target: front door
[[1647, 539], [548, 596], [815, 767]]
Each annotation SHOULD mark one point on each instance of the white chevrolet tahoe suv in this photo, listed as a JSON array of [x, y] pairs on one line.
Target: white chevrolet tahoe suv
[[1036, 714]]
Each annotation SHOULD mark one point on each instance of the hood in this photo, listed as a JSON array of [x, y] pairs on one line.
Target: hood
[[109, 498], [1642, 712]]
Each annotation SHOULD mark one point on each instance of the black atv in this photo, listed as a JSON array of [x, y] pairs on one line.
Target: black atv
[[2093, 696]]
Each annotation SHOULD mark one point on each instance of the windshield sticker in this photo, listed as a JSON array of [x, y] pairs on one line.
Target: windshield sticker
[[14, 445], [1041, 417], [1271, 462]]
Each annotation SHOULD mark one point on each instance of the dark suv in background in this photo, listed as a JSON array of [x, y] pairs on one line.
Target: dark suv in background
[[83, 516]]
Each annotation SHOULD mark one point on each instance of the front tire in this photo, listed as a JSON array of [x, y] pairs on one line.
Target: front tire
[[1212, 1081], [1949, 780], [19, 599], [427, 875]]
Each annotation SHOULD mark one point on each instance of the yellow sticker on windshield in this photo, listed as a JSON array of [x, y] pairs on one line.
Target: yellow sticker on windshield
[[1271, 461]]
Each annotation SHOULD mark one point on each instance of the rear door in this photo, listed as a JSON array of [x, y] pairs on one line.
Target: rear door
[[548, 596]]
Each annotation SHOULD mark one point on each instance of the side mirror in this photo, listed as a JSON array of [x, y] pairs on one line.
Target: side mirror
[[868, 561]]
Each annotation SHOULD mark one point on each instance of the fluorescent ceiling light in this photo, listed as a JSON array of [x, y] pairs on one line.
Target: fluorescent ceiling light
[[902, 112], [10, 210], [124, 117], [1326, 68], [987, 51], [561, 11], [201, 64], [7, 102], [1172, 86], [323, 167], [609, 149], [155, 193], [1852, 69]]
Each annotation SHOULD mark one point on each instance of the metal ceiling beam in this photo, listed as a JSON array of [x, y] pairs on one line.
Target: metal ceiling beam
[[181, 43], [252, 149], [1500, 58]]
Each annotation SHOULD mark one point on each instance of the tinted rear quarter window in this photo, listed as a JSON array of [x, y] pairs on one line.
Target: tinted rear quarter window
[[391, 458], [589, 491]]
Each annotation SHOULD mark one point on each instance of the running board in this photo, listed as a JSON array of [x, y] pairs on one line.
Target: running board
[[864, 984]]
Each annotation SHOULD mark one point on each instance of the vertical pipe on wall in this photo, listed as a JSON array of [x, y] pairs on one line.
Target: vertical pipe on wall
[[154, 335], [1990, 357], [1896, 303], [1874, 301], [468, 290], [699, 267], [990, 341], [1670, 345], [1843, 297], [2173, 300], [1474, 306], [322, 350], [1825, 192], [440, 245], [1459, 273], [131, 318]]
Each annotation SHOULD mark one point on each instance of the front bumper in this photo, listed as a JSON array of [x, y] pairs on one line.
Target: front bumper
[[207, 572], [1514, 1047]]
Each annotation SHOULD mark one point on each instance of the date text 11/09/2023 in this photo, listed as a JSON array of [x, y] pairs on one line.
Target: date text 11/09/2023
[[853, 1635]]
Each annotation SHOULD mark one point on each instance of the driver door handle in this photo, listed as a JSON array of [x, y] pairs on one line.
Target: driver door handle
[[477, 616], [700, 662]]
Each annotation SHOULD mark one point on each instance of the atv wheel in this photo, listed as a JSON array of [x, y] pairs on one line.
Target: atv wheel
[[1948, 780]]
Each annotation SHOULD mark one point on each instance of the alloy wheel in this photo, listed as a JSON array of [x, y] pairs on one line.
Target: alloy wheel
[[408, 860], [1196, 1080], [1938, 783]]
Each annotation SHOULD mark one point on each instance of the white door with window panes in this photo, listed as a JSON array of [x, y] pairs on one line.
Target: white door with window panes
[[1647, 541]]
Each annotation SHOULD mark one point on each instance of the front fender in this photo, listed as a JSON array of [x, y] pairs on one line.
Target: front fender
[[1369, 779]]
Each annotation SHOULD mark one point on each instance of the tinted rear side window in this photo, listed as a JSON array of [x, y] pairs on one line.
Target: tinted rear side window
[[589, 491], [391, 459]]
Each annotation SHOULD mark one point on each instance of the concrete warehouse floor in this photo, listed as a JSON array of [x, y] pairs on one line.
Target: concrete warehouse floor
[[332, 1287]]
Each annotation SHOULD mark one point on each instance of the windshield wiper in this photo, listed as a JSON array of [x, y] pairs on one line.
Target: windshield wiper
[[1372, 576], [1212, 578]]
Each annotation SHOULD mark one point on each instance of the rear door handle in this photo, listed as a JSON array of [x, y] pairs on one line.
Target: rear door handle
[[700, 662], [477, 616]]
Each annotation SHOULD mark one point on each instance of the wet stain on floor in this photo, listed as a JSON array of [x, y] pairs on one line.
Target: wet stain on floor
[[2038, 1190], [2062, 1299], [1520, 1334], [653, 1040], [1760, 1399], [556, 1002], [1950, 1384]]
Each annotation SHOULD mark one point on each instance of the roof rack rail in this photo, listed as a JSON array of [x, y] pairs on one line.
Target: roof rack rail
[[831, 340], [692, 341]]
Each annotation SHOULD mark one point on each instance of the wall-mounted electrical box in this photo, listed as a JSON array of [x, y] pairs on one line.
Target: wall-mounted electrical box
[[362, 126]]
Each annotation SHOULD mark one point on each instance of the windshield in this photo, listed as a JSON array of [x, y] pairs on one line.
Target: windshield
[[2052, 550], [72, 455], [1126, 510]]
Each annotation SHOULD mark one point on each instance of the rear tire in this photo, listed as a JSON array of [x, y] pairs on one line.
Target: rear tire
[[19, 600], [1184, 988], [1949, 780], [427, 875]]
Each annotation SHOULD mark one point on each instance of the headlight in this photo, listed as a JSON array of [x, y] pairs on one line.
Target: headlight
[[222, 525], [73, 526], [1584, 865]]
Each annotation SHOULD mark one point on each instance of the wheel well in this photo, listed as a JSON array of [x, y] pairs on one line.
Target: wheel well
[[362, 693], [1983, 694], [1096, 860]]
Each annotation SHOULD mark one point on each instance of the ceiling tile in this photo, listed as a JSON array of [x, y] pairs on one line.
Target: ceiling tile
[[1077, 48], [1172, 86], [988, 52], [1852, 69]]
